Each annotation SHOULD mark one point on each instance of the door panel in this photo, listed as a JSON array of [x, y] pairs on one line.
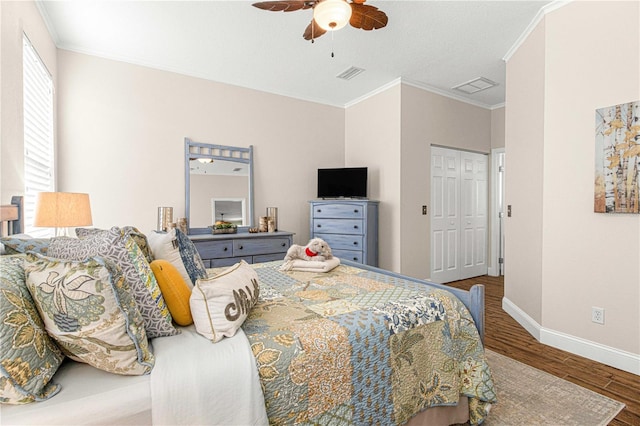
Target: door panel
[[452, 250], [445, 222], [474, 176], [459, 221]]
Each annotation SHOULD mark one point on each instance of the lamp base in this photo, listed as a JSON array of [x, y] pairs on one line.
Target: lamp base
[[63, 232]]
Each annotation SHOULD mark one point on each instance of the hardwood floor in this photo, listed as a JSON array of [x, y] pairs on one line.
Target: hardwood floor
[[505, 336]]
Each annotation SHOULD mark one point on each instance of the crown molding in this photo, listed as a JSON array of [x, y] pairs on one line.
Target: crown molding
[[444, 93], [373, 92], [47, 22], [554, 5]]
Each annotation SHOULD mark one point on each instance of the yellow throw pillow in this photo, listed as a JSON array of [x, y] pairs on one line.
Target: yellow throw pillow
[[175, 291]]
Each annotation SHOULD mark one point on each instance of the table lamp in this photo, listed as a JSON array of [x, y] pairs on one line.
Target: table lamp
[[62, 210]]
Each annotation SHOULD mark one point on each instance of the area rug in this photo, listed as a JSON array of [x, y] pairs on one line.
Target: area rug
[[528, 396]]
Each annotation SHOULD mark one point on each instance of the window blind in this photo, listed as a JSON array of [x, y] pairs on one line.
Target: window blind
[[38, 134]]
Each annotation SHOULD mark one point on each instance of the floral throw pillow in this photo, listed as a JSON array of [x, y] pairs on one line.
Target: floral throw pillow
[[117, 247], [29, 356], [87, 307]]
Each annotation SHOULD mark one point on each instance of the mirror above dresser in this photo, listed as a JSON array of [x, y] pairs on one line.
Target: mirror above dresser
[[218, 185]]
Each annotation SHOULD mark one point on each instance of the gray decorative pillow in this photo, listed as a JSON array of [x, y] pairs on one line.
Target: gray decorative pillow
[[119, 248], [132, 231], [190, 257], [87, 307], [29, 356]]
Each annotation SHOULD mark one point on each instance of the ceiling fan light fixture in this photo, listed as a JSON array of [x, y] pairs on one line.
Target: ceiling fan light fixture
[[331, 15]]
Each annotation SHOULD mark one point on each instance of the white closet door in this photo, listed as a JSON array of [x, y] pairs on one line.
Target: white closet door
[[445, 220], [474, 216], [459, 215]]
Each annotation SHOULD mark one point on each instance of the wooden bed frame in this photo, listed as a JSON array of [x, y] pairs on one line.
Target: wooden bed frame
[[11, 221]]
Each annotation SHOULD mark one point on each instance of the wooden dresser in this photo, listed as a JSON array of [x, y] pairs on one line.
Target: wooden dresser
[[228, 249], [350, 227]]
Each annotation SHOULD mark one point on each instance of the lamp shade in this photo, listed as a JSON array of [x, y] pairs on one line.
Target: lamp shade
[[332, 15], [62, 209]]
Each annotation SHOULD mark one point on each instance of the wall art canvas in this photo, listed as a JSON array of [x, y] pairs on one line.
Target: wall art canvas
[[617, 180]]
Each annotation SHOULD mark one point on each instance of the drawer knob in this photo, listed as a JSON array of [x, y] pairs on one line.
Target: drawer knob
[[240, 247], [283, 244], [355, 243], [355, 210], [226, 248], [319, 226], [355, 259], [319, 210], [355, 226]]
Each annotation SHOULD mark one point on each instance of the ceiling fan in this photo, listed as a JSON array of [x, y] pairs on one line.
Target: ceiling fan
[[331, 15]]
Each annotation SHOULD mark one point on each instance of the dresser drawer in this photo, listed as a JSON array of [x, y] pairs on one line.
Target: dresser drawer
[[342, 226], [214, 249], [338, 241], [338, 211], [250, 247], [356, 256]]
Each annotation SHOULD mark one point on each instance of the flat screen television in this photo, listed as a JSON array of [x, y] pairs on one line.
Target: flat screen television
[[346, 182]]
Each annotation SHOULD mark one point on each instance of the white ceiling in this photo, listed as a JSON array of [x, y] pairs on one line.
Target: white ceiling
[[431, 44]]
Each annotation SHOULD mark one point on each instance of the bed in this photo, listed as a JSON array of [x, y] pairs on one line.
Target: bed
[[357, 345]]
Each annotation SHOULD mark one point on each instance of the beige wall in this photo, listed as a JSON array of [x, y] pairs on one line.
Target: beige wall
[[430, 119], [592, 61], [562, 258], [373, 140], [497, 127], [17, 18], [391, 133], [524, 142], [121, 139]]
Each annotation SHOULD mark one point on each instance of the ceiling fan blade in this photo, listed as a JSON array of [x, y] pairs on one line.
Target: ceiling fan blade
[[284, 6], [317, 31], [367, 17]]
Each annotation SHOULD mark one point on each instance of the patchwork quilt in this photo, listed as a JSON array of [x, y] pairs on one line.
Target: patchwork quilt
[[354, 346]]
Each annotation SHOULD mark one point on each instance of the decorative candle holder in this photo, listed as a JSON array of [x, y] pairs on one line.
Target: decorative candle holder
[[272, 214], [263, 224], [165, 217]]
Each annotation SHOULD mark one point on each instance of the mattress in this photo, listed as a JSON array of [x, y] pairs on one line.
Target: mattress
[[88, 396], [193, 382]]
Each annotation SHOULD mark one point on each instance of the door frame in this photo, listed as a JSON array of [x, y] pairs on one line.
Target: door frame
[[494, 266]]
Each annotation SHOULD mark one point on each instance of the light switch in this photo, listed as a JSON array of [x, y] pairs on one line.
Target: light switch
[[424, 210], [509, 210]]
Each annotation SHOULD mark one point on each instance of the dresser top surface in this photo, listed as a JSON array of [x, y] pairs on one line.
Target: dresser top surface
[[240, 234], [343, 200]]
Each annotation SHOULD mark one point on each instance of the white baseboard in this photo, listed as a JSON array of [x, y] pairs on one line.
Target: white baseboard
[[529, 324], [492, 272], [613, 357]]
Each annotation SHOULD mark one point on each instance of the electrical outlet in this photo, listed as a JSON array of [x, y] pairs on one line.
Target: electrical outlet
[[424, 210], [597, 315]]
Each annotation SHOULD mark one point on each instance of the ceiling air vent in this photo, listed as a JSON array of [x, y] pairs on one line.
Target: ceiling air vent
[[349, 73], [475, 85]]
